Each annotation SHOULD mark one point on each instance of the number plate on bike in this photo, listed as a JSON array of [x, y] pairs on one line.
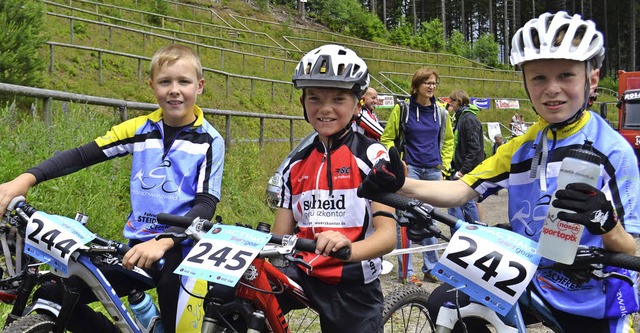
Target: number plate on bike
[[491, 265], [223, 254], [53, 238]]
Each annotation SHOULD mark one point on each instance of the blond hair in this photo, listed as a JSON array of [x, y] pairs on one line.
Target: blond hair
[[172, 53]]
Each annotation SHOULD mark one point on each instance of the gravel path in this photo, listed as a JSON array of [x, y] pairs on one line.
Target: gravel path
[[494, 210]]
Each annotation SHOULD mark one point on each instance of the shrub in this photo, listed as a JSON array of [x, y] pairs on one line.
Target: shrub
[[21, 37]]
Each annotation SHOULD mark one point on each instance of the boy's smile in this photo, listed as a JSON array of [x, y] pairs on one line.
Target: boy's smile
[[329, 110], [176, 87], [557, 87]]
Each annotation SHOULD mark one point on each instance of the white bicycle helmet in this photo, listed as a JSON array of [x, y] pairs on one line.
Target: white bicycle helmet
[[557, 36], [332, 66]]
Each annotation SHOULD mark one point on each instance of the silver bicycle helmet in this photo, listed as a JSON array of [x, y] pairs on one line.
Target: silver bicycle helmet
[[557, 36], [332, 66]]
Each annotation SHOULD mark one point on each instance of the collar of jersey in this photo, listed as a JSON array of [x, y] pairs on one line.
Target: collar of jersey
[[156, 116], [564, 132]]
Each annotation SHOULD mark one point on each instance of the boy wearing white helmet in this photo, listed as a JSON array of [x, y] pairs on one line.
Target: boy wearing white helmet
[[560, 57], [319, 199]]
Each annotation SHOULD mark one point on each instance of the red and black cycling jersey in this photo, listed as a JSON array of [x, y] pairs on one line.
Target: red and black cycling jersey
[[320, 185]]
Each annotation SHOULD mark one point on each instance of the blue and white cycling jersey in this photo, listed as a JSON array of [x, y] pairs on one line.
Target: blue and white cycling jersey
[[529, 198], [165, 180]]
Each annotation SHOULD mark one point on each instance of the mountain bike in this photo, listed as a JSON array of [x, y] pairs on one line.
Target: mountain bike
[[505, 314], [70, 250], [242, 287]]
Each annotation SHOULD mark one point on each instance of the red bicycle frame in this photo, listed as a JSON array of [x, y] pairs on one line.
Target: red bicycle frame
[[257, 289]]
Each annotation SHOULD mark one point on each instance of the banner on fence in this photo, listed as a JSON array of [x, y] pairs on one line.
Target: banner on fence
[[386, 101], [481, 103], [507, 104]]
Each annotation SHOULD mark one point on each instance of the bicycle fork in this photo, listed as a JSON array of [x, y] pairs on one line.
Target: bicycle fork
[[215, 315]]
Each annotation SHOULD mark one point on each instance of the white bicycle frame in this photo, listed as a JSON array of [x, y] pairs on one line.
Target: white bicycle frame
[[449, 316]]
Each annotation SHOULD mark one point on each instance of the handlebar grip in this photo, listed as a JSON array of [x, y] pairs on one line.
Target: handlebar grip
[[175, 220], [124, 248], [309, 245], [621, 260], [403, 203]]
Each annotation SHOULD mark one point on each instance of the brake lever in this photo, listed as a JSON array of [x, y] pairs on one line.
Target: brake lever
[[181, 236], [293, 259]]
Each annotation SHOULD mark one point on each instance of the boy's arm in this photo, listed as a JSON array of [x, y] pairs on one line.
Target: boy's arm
[[439, 193], [60, 164], [383, 239], [284, 223]]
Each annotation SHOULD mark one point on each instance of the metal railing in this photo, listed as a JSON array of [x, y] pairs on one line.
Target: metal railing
[[122, 106]]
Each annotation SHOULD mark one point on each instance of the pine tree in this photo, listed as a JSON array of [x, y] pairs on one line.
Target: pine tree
[[21, 39]]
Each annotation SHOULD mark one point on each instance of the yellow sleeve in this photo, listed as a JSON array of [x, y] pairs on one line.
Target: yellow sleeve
[[392, 129], [446, 153]]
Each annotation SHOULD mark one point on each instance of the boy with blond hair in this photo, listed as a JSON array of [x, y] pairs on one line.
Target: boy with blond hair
[[560, 56], [177, 165]]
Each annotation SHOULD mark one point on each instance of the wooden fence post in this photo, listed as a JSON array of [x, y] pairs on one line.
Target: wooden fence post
[[227, 132], [261, 139], [47, 107]]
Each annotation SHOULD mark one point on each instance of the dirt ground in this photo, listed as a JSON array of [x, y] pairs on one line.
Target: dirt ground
[[494, 210]]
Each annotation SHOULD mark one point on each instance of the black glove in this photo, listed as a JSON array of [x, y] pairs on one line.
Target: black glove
[[386, 176], [591, 207]]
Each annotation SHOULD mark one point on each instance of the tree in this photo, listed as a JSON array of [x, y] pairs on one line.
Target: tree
[[486, 50], [20, 41], [456, 44]]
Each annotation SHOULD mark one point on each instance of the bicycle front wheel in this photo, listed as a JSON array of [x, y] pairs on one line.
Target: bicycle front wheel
[[34, 323], [405, 310], [303, 320]]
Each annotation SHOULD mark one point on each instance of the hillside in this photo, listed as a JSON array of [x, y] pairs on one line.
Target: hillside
[[237, 42]]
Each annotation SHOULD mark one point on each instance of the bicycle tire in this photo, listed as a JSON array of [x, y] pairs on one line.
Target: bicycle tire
[[34, 323], [304, 320], [405, 310]]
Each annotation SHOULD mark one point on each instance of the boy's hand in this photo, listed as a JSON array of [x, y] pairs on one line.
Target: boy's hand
[[16, 187], [145, 254], [386, 176], [591, 207], [330, 241]]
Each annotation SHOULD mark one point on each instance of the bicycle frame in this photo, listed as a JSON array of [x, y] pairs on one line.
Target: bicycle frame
[[513, 321], [256, 288], [80, 265]]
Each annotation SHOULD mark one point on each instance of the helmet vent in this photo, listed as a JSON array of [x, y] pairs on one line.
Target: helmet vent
[[534, 37], [340, 69], [323, 67], [577, 39]]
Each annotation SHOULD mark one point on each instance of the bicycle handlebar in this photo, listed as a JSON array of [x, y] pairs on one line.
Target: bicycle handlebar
[[27, 210], [592, 255], [415, 205], [302, 244]]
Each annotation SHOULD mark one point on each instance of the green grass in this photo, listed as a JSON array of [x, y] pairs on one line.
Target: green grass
[[102, 191]]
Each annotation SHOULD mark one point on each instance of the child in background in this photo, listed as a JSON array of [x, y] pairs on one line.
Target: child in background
[[177, 165], [319, 198]]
